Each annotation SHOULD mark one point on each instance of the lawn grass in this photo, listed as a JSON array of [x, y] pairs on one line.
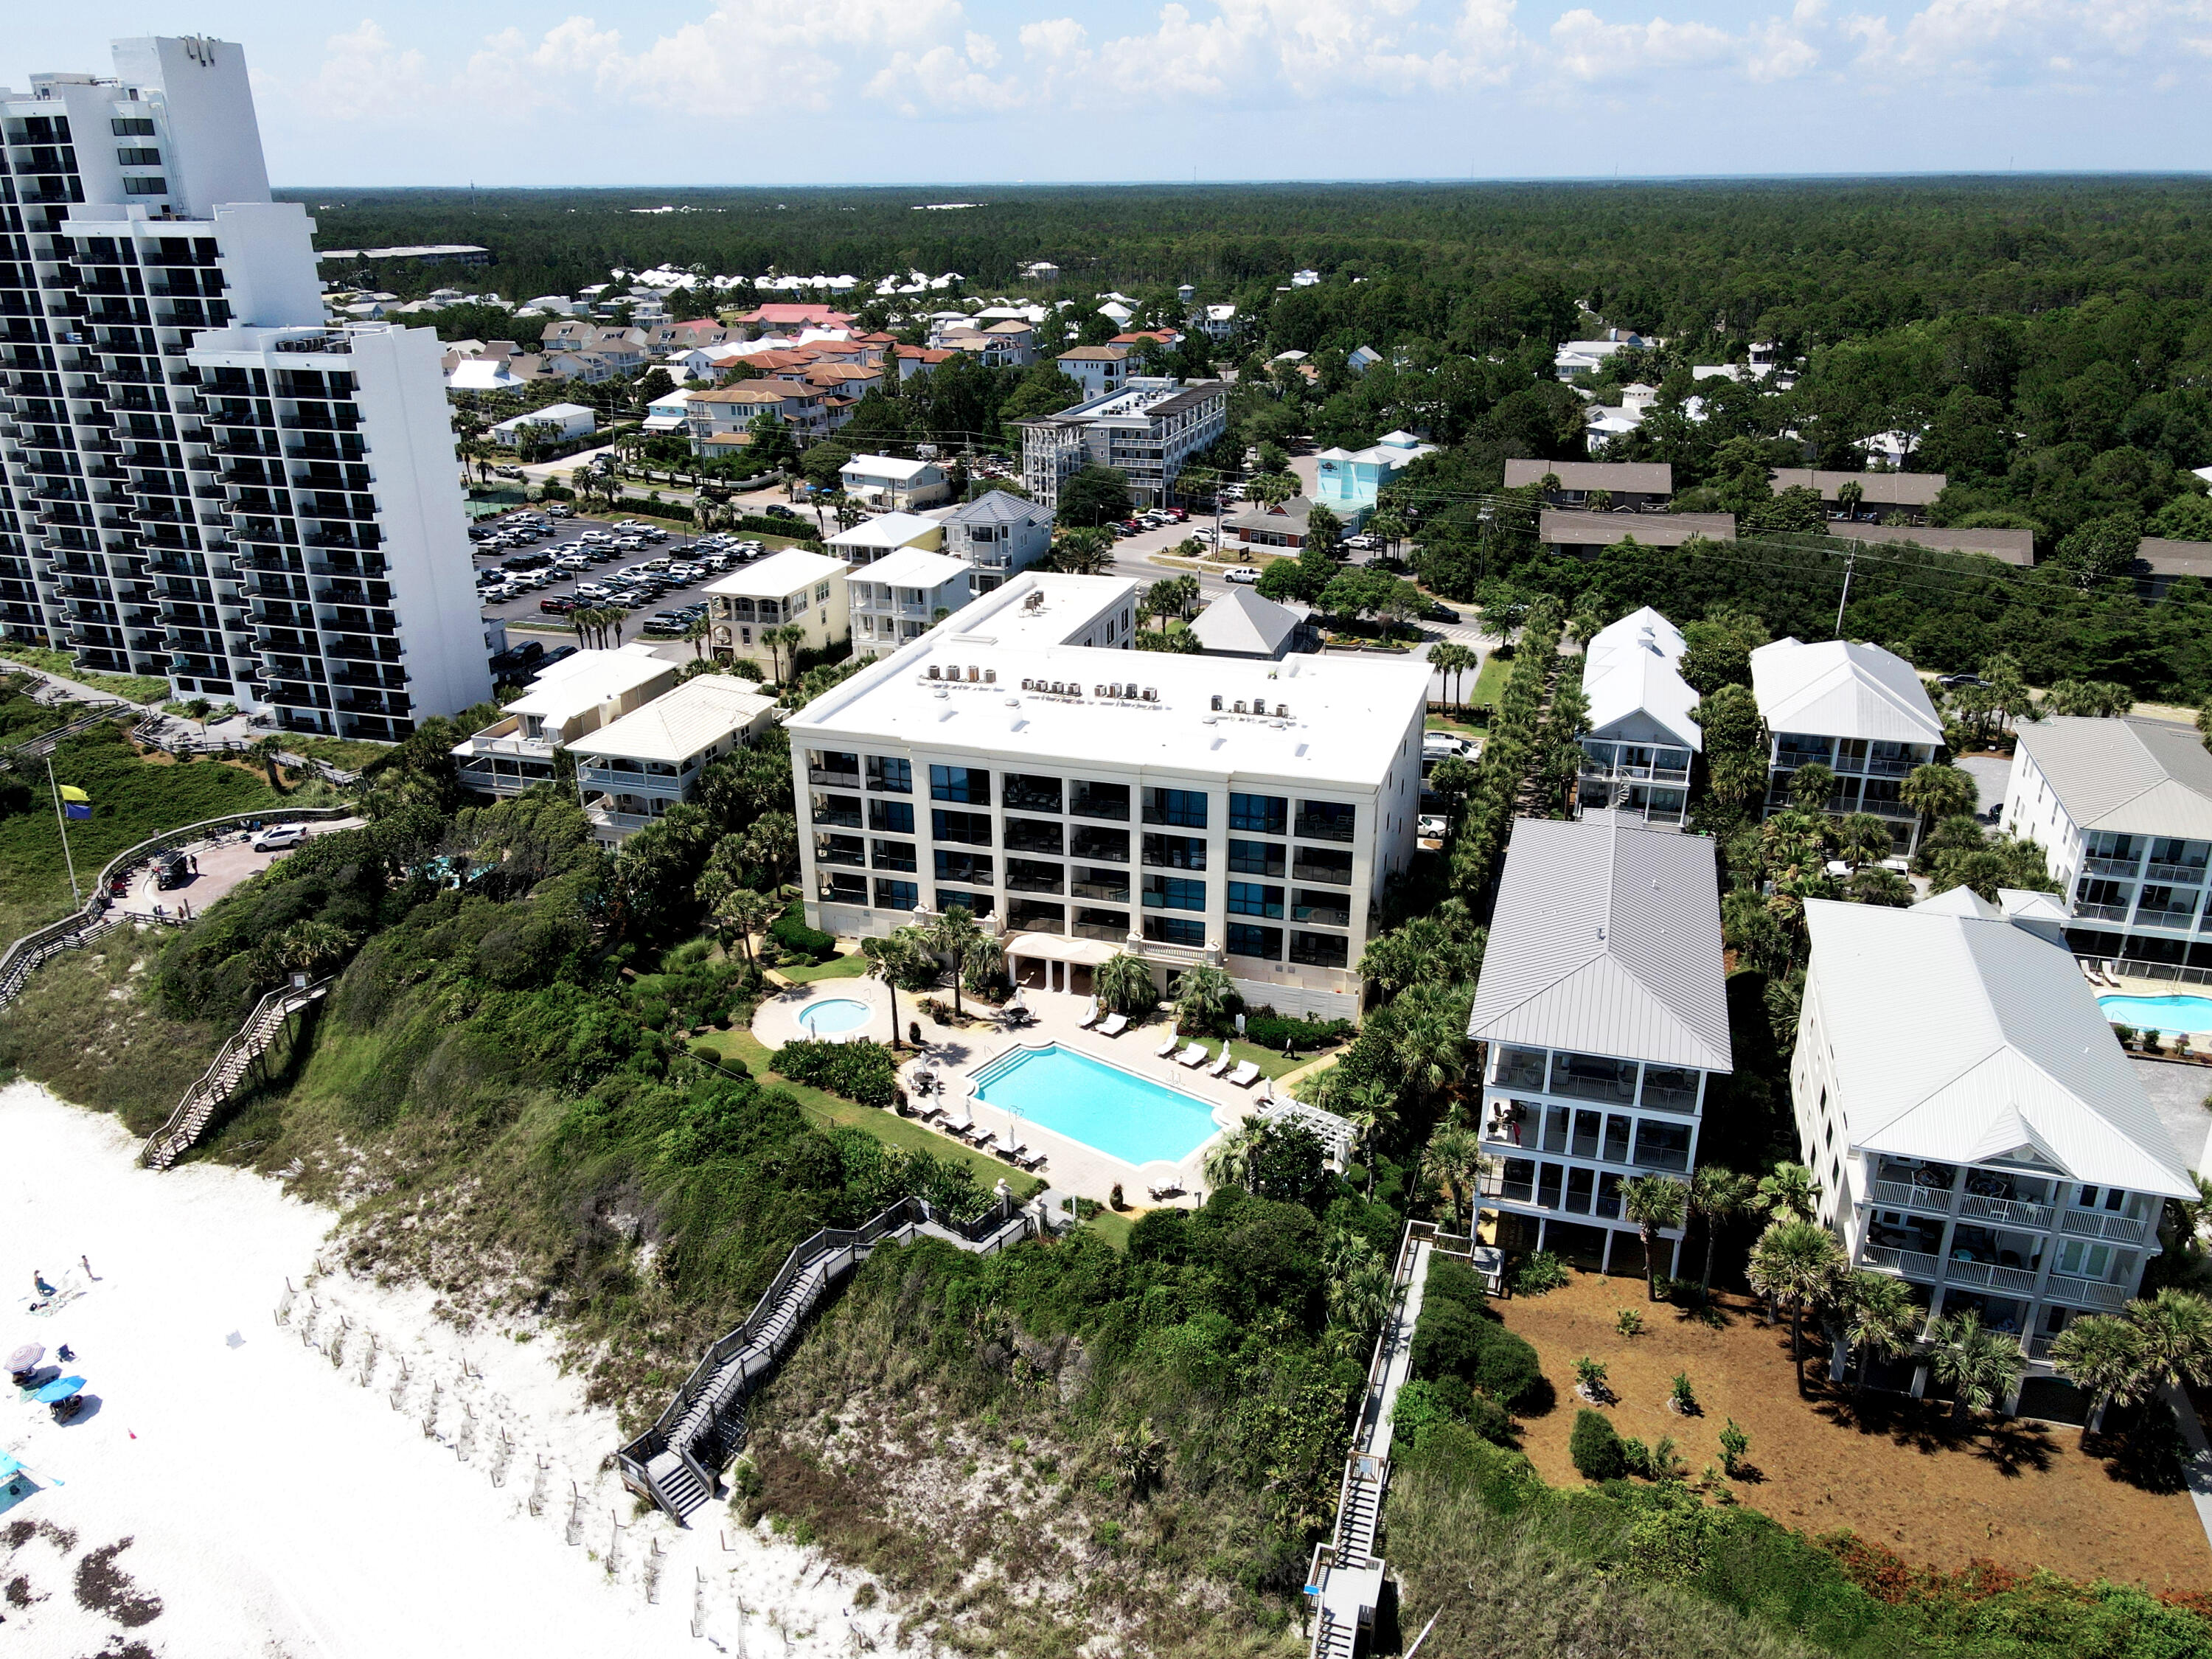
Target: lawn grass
[[135, 688], [835, 1111], [1272, 1062], [1112, 1226], [1490, 681], [850, 966], [349, 754], [133, 797]]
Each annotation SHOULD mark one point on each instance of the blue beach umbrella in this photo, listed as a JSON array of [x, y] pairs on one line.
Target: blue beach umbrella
[[60, 1388]]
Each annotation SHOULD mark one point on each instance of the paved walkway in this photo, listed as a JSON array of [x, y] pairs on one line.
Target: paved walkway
[[1379, 1416], [2198, 1469]]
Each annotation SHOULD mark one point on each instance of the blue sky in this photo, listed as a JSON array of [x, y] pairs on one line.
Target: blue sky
[[411, 91]]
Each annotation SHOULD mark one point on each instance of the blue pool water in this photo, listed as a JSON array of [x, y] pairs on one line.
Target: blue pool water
[[835, 1016], [2171, 1015], [1121, 1115]]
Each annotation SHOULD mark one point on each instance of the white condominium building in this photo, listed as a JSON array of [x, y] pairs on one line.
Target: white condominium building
[[901, 596], [1974, 1125], [2123, 810], [631, 770], [1019, 761], [1146, 429], [1636, 752], [1856, 708], [203, 483], [1602, 1000]]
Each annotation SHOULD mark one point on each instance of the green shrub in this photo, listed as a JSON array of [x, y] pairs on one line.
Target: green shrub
[[1595, 1447], [1454, 1340], [1667, 1539], [1541, 1273], [791, 932], [1272, 1030], [863, 1071]]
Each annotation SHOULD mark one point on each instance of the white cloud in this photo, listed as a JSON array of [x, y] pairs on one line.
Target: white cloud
[[364, 74], [2019, 42]]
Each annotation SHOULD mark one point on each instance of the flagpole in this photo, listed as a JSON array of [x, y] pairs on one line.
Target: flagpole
[[62, 823]]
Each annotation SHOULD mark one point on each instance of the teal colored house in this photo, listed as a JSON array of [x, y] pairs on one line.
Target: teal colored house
[[1347, 481]]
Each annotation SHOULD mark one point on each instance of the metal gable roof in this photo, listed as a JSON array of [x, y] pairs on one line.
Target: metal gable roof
[[1960, 1037], [1607, 940], [1841, 688], [1630, 668], [1242, 623], [2132, 777]]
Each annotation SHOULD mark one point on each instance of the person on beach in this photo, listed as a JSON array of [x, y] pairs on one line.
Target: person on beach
[[38, 1286], [85, 1262]]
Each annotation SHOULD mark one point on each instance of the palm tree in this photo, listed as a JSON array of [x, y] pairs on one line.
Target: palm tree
[[1881, 1317], [744, 912], [1798, 1261], [983, 962], [311, 948], [1124, 983], [1654, 1203], [1451, 660], [696, 636], [1272, 489], [1455, 1164], [1431, 1049], [1390, 527], [900, 958], [1139, 1454], [1863, 838], [264, 753], [950, 935], [2101, 1354], [2174, 1329], [1980, 1365], [790, 637], [772, 842], [1360, 1285], [1201, 993], [1849, 497], [1938, 792], [1715, 1193], [1228, 1161], [1371, 1109], [1788, 1193]]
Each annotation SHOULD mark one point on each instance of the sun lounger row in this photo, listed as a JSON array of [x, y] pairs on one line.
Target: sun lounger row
[[1111, 1025]]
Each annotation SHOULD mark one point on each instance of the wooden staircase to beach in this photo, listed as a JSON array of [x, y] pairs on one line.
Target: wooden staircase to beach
[[233, 1064], [676, 1463]]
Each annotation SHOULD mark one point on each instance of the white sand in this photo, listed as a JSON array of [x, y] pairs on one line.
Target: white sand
[[278, 1506]]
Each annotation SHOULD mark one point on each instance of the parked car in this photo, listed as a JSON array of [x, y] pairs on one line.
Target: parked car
[[277, 837], [558, 604], [558, 511], [1952, 681], [1440, 612], [1242, 573], [777, 510]]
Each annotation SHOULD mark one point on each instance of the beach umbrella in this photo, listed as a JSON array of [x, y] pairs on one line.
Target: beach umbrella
[[25, 1356], [58, 1391]]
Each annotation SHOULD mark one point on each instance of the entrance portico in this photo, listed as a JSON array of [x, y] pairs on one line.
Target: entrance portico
[[1046, 962]]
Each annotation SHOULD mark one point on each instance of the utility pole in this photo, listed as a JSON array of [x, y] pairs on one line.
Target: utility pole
[[61, 822], [1850, 558]]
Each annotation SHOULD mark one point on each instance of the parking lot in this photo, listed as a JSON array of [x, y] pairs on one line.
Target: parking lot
[[635, 559]]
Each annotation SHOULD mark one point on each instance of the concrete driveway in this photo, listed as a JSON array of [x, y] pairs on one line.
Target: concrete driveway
[[221, 865]]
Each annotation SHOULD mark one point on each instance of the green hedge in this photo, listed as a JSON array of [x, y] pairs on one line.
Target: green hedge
[[791, 932], [863, 1071], [1272, 1031], [1459, 1337]]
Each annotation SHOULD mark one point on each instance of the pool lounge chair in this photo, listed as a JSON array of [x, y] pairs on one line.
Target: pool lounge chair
[[1090, 1016], [1113, 1025], [1193, 1055], [1175, 1036], [1028, 1160], [1245, 1075], [1220, 1066]]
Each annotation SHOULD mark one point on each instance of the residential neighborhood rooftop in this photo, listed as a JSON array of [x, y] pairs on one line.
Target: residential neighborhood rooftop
[[587, 679], [884, 530], [1644, 478], [1633, 666], [1841, 688], [680, 723], [1878, 489], [778, 574], [1558, 527], [1605, 940], [1242, 623], [912, 567], [2133, 777]]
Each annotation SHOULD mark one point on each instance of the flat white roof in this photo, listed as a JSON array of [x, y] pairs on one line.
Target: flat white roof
[[885, 466], [589, 679], [889, 530], [1342, 723], [1040, 608], [680, 723], [911, 566], [778, 574]]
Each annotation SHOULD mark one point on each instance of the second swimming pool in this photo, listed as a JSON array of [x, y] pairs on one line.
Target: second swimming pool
[[1121, 1114], [2174, 1016]]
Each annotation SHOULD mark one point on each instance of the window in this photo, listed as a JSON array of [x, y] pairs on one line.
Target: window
[[1323, 910], [1616, 1139], [1247, 898], [821, 593], [1102, 924], [895, 816], [1174, 893], [1029, 876], [1320, 950], [1175, 852], [1518, 1178], [893, 855], [796, 604], [139, 158], [975, 904], [1245, 940], [892, 777], [1580, 1183], [1520, 1068], [838, 850], [1108, 845], [1322, 820], [1020, 792], [1312, 864], [1255, 858], [966, 784], [1099, 800], [1175, 929], [898, 894], [1260, 814], [839, 888], [1183, 808], [1033, 835], [1547, 1186], [843, 811], [1608, 1195], [1663, 1146], [972, 827], [132, 126], [1587, 1125], [1037, 914], [972, 867]]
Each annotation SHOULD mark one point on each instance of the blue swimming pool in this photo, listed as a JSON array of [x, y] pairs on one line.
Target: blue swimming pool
[[835, 1016], [1121, 1114], [2172, 1015]]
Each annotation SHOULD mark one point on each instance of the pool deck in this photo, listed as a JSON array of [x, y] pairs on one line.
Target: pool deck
[[954, 1055]]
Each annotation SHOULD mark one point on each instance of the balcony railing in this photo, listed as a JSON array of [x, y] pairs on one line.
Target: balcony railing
[[2186, 875], [2084, 911], [833, 778], [1327, 874], [1110, 893], [2125, 867], [1913, 1264], [2035, 1217], [2165, 915], [1881, 767], [2093, 1224], [2084, 1292]]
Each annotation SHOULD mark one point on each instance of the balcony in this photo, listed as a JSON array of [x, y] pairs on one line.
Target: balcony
[[2036, 1218], [2084, 911], [2125, 868], [1316, 826], [2181, 875], [1912, 1264], [1904, 1195], [1329, 874], [833, 777], [1989, 1275], [2093, 1223], [1324, 915], [1105, 892], [2168, 915], [2084, 1293]]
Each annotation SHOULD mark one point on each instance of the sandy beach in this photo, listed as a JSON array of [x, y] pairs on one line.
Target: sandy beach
[[231, 1491]]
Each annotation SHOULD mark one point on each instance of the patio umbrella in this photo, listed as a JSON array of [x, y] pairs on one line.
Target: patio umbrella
[[59, 1389], [25, 1356]]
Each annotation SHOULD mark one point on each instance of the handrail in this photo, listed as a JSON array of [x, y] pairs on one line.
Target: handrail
[[37, 747], [277, 1001]]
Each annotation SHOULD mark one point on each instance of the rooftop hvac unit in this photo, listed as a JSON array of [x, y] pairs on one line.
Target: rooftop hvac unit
[[1217, 702], [933, 672], [1282, 711], [1151, 694]]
